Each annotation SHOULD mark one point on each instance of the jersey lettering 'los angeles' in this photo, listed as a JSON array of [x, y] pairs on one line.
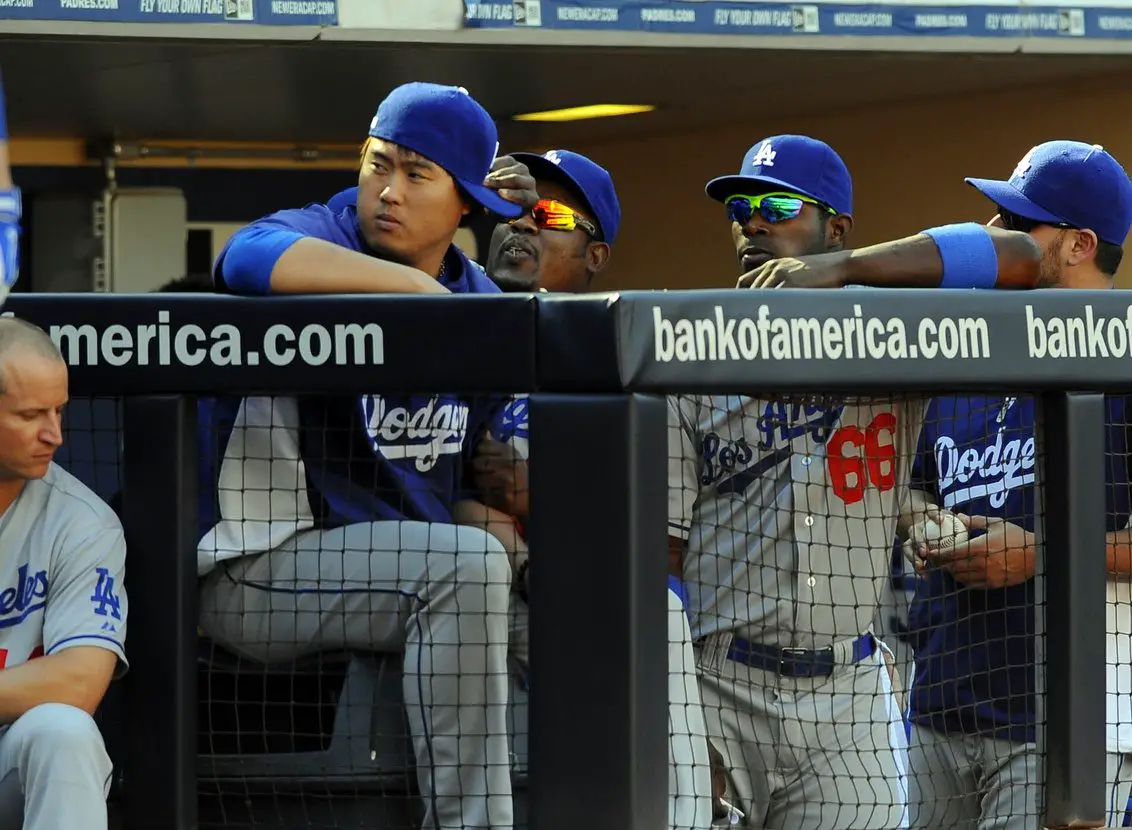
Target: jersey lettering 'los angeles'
[[61, 575], [975, 648], [789, 511], [275, 466]]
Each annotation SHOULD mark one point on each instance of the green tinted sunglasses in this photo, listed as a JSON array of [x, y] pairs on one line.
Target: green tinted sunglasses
[[773, 207]]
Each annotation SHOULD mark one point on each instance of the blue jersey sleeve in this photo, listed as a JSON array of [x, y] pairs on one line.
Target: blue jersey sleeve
[[246, 261]]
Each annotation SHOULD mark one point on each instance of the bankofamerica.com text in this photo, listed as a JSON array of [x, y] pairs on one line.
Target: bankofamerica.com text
[[766, 336]]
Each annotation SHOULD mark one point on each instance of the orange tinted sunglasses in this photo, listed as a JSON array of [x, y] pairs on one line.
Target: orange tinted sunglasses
[[550, 215]]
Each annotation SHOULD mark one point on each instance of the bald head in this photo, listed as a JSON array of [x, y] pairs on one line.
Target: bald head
[[19, 337]]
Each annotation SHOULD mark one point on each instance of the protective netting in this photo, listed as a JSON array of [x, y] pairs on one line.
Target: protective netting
[[1118, 612], [359, 669], [92, 452], [363, 677], [860, 578]]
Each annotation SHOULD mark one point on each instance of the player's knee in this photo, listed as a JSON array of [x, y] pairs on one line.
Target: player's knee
[[481, 559], [55, 734]]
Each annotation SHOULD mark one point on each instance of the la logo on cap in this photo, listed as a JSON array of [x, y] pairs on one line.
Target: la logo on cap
[[553, 157], [765, 156], [1023, 166], [373, 123]]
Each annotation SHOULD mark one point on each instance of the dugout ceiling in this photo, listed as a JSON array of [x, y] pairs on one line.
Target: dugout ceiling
[[327, 91]]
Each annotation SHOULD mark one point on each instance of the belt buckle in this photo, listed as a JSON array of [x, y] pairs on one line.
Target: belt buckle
[[794, 656]]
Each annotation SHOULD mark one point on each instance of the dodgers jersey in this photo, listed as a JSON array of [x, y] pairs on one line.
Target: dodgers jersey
[[789, 511], [62, 559], [290, 464], [975, 648]]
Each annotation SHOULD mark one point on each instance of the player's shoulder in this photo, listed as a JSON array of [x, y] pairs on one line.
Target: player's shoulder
[[68, 505], [315, 220], [476, 276]]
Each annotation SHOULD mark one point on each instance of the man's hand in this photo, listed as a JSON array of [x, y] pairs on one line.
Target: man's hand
[[513, 181], [818, 271], [500, 475], [1000, 558]]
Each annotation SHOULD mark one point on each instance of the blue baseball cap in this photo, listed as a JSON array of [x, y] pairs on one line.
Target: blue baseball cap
[[592, 182], [796, 163], [1067, 183], [447, 126]]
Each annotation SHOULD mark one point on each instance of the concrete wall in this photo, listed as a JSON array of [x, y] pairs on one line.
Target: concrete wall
[[908, 162]]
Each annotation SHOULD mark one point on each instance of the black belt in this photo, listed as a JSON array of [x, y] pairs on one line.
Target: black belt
[[796, 662]]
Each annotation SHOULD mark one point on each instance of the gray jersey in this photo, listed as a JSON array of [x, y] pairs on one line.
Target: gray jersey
[[789, 510], [62, 557]]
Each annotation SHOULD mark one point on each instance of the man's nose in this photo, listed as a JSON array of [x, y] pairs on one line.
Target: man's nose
[[526, 224], [394, 189], [52, 432]]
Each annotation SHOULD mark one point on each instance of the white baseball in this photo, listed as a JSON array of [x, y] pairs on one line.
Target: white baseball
[[946, 534]]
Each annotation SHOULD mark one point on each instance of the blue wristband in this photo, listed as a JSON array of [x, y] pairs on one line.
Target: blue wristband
[[967, 251]]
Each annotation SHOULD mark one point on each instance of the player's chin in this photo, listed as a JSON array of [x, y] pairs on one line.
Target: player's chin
[[36, 467], [515, 279], [395, 247]]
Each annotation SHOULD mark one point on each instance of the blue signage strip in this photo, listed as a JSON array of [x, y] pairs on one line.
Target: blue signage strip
[[738, 17], [262, 12]]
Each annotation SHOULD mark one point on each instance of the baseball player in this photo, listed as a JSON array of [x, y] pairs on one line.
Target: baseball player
[[63, 606], [307, 554], [973, 753], [10, 209], [772, 501], [788, 511], [560, 246]]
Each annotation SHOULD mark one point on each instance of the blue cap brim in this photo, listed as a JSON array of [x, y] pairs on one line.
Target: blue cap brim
[[724, 187], [1006, 195], [491, 200]]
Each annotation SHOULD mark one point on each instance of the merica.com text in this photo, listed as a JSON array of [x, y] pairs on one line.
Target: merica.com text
[[189, 344]]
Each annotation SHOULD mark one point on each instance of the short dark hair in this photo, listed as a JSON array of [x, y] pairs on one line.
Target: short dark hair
[[191, 283], [1108, 257]]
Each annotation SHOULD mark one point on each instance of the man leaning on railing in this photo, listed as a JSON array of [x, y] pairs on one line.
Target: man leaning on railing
[[331, 525]]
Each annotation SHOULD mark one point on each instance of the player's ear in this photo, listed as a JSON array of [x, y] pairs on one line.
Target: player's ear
[[837, 230], [597, 255], [1082, 247]]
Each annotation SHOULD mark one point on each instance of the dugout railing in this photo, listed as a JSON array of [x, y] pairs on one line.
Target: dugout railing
[[597, 368]]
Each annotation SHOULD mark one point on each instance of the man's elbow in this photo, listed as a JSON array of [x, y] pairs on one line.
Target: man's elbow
[[251, 257]]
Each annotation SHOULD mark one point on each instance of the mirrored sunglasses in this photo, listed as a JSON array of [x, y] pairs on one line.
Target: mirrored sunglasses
[[550, 215], [772, 207]]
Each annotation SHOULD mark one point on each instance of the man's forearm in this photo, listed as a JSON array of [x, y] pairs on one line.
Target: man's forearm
[[313, 266], [915, 262], [69, 677]]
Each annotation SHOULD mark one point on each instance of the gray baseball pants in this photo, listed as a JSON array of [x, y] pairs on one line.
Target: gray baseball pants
[[809, 753], [54, 771], [972, 782], [441, 593]]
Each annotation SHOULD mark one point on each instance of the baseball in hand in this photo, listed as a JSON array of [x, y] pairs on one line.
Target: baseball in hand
[[946, 533]]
